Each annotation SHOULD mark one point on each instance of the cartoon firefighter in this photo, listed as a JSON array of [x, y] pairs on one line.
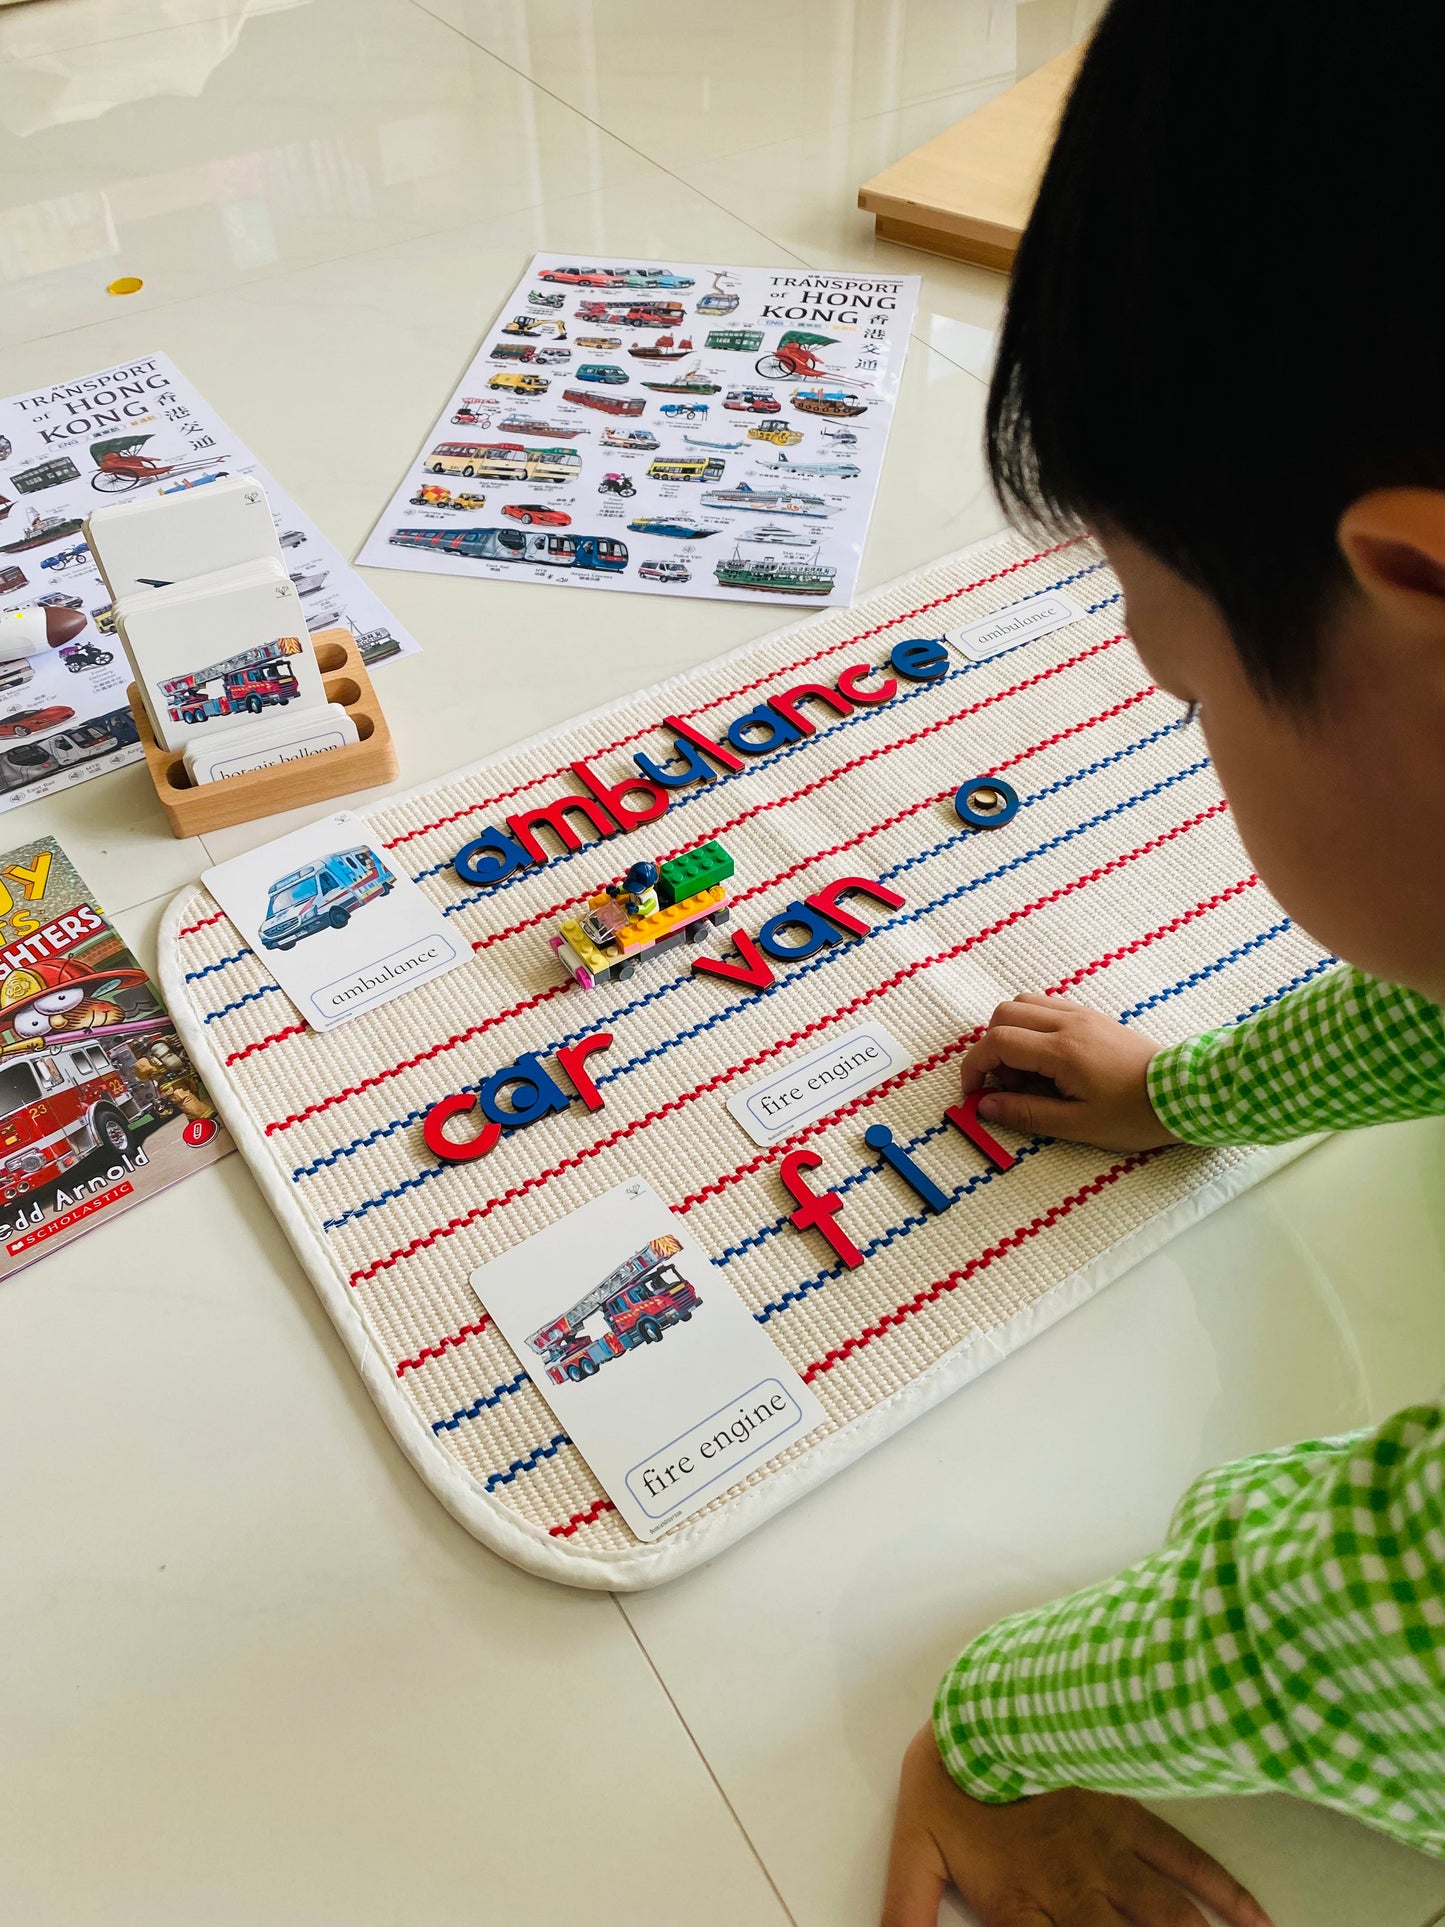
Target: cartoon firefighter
[[57, 999]]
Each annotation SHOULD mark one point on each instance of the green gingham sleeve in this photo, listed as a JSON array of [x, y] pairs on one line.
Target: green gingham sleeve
[[1345, 1050], [1289, 1638]]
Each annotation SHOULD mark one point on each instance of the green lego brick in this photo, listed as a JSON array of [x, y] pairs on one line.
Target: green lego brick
[[684, 876]]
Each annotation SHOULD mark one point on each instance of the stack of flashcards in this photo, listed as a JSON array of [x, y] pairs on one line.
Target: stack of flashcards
[[213, 627]]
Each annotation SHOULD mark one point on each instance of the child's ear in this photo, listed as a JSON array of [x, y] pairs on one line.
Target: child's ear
[[1393, 542]]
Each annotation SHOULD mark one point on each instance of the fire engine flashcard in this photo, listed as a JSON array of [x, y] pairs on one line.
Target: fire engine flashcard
[[99, 1104], [655, 1368], [342, 931]]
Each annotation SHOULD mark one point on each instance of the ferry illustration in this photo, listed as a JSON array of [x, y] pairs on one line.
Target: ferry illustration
[[668, 525], [694, 382], [775, 575], [766, 501]]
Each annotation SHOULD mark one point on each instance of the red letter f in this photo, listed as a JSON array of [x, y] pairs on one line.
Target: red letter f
[[816, 1211]]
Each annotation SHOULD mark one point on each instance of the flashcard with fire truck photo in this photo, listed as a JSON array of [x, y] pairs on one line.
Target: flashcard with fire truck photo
[[655, 1368], [100, 1106]]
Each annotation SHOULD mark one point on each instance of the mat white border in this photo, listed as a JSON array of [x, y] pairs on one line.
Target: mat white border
[[641, 1566]]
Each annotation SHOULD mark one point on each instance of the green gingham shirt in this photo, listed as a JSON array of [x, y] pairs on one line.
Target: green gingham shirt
[[1290, 1636]]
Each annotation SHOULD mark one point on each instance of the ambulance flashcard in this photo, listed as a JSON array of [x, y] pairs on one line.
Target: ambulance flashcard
[[654, 1367]]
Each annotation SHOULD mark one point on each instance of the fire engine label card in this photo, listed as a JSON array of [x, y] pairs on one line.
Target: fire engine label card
[[340, 928], [654, 1367], [100, 1106], [136, 431], [673, 428], [812, 1086]]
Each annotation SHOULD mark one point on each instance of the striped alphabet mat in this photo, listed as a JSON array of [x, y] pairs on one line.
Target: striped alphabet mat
[[1120, 881]]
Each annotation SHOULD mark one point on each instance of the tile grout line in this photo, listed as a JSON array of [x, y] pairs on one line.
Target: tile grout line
[[707, 1764]]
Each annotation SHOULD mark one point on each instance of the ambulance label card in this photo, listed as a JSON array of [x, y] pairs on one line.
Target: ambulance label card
[[339, 928], [653, 1366], [1036, 615]]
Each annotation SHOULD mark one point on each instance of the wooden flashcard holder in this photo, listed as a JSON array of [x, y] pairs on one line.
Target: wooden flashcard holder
[[193, 808]]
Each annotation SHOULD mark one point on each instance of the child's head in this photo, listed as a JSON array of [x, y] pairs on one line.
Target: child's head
[[1225, 352]]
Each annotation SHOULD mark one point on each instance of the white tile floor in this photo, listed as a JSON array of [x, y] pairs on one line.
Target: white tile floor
[[251, 1671]]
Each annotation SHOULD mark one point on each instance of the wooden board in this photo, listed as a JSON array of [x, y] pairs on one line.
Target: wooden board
[[193, 808], [968, 192]]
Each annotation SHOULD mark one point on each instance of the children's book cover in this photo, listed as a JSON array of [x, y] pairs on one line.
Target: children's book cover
[[673, 428], [100, 1107]]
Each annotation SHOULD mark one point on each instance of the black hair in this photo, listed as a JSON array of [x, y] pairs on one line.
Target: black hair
[[1226, 322]]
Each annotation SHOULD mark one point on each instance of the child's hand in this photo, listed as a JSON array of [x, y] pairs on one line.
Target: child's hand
[[1066, 1859], [1066, 1071]]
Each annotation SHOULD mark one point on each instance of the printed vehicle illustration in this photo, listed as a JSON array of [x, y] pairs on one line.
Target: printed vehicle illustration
[[41, 530], [376, 645], [701, 441], [69, 747], [827, 401], [582, 277], [119, 468], [30, 481], [71, 558], [104, 619], [793, 358], [690, 468], [199, 481], [324, 895], [694, 382], [846, 469], [654, 278], [666, 525], [665, 348], [515, 384], [609, 404], [638, 1300], [841, 437], [664, 571], [504, 461], [310, 580], [601, 371], [525, 425], [433, 497], [753, 401], [779, 538], [775, 575], [246, 683], [323, 614], [85, 655], [533, 324], [683, 411], [768, 501], [536, 512], [467, 415], [30, 722], [57, 599], [778, 433], [291, 538], [512, 545], [61, 1104], [633, 314], [736, 340], [538, 300], [613, 483], [723, 299], [634, 440], [12, 578], [525, 351], [598, 341], [15, 674], [655, 907]]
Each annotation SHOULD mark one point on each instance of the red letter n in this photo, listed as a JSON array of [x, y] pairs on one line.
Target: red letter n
[[826, 901]]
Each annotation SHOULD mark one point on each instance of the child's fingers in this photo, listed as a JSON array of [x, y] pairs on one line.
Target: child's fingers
[[1030, 1013], [916, 1881], [1020, 1050], [1032, 1115], [1173, 1853], [1144, 1894]]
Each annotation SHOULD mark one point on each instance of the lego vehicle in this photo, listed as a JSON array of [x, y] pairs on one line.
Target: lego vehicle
[[654, 278], [30, 722], [608, 404], [636, 441], [602, 371], [778, 433], [638, 1299], [598, 341], [666, 525], [514, 384], [753, 401], [615, 484], [536, 512], [582, 277], [664, 571], [324, 895], [640, 917], [58, 1106], [567, 551]]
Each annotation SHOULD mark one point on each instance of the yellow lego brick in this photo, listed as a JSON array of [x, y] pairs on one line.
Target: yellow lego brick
[[647, 930], [591, 956]]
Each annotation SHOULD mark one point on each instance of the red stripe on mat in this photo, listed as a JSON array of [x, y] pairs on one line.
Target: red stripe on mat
[[625, 1131], [785, 669], [190, 929], [784, 1145], [587, 1518]]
